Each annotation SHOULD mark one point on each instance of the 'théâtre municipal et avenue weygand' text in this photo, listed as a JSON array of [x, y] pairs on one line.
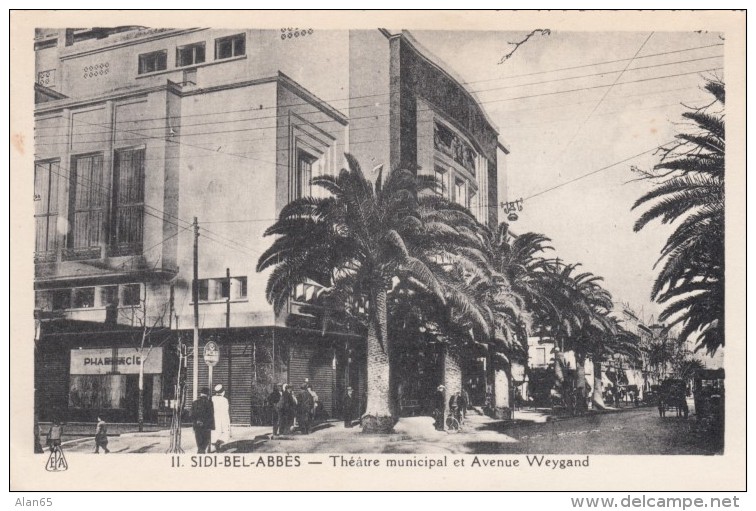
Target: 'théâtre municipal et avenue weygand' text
[[431, 462]]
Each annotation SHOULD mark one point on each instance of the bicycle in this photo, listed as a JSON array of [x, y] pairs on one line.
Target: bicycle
[[454, 421]]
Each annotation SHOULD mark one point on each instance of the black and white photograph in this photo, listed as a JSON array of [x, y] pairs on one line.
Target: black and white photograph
[[428, 243]]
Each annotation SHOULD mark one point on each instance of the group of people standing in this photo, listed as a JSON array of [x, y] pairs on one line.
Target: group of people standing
[[211, 420], [285, 406], [212, 424]]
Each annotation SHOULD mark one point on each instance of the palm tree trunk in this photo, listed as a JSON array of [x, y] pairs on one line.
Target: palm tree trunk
[[559, 364], [378, 418], [598, 386], [580, 390]]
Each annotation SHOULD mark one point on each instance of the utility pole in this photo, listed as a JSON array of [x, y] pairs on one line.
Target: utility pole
[[228, 300], [195, 298], [228, 328]]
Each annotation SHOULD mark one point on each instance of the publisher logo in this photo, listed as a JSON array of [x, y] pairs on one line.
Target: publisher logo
[[57, 461]]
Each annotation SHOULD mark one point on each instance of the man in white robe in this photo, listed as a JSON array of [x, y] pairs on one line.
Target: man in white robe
[[222, 432]]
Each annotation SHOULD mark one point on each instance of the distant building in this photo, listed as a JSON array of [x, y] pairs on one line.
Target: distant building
[[139, 130]]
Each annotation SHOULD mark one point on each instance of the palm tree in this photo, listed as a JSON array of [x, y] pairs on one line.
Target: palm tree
[[520, 260], [357, 242], [690, 190], [591, 306]]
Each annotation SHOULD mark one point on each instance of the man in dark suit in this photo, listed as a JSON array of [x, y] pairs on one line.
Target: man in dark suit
[[348, 407], [273, 398], [203, 420], [439, 407], [306, 405], [464, 402], [287, 407]]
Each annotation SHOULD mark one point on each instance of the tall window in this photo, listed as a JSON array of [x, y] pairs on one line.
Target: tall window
[[227, 47], [87, 202], [132, 295], [128, 200], [460, 193], [46, 207], [190, 54], [440, 180], [302, 186], [151, 62]]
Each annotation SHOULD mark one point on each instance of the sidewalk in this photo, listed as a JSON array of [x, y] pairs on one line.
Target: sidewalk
[[411, 435]]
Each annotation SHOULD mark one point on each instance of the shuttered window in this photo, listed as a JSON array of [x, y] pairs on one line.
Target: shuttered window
[[87, 200], [128, 201], [46, 208]]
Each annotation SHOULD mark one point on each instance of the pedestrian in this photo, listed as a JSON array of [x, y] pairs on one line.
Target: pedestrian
[[287, 406], [439, 405], [101, 436], [54, 434], [454, 405], [348, 407], [315, 402], [661, 405], [203, 420], [464, 402], [305, 408], [273, 398], [222, 418]]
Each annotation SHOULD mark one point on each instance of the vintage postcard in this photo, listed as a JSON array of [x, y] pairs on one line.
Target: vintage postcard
[[378, 250]]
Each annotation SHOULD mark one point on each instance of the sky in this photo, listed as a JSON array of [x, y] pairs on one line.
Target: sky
[[563, 124]]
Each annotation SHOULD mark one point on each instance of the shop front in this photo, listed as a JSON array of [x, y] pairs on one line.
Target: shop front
[[106, 381], [253, 360], [81, 375]]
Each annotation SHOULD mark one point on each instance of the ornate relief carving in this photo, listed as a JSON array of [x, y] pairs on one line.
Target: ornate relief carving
[[449, 143]]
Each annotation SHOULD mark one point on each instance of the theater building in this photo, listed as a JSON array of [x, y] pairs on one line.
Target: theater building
[[139, 130]]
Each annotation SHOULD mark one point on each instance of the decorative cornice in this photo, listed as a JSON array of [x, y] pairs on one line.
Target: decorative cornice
[[436, 62]]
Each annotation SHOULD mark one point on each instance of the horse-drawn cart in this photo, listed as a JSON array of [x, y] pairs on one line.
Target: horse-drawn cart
[[673, 398]]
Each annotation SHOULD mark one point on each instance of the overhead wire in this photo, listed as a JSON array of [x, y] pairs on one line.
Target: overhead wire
[[105, 194], [351, 98], [352, 118], [579, 129], [167, 139], [239, 155]]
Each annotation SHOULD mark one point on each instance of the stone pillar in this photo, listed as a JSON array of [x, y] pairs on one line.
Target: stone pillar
[[502, 406]]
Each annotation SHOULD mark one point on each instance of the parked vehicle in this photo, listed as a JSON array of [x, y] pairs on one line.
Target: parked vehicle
[[673, 394], [708, 393]]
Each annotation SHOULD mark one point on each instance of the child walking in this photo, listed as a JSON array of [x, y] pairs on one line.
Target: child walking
[[101, 436]]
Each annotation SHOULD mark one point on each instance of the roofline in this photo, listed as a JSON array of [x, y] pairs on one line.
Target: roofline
[[281, 78], [49, 92], [444, 68], [75, 52], [312, 98]]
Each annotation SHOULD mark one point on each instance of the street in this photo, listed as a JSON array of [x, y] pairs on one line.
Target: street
[[637, 431]]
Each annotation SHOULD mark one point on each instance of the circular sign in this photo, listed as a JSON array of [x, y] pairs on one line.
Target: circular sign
[[211, 353]]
